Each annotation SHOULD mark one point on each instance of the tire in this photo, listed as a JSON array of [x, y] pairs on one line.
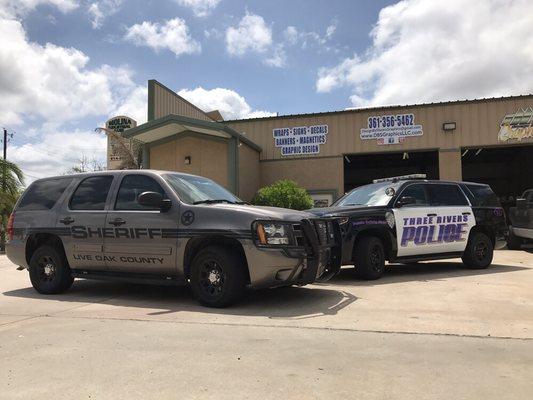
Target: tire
[[479, 251], [49, 271], [369, 258], [513, 242], [218, 277]]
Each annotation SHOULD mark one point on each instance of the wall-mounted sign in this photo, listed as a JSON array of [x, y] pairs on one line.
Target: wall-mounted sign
[[517, 126], [118, 124], [300, 139], [391, 129]]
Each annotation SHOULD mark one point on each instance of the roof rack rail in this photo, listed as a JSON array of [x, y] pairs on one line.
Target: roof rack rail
[[400, 178]]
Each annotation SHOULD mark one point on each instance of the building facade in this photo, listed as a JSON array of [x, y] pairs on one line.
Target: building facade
[[486, 140]]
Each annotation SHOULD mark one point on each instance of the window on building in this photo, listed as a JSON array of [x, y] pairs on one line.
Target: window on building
[[130, 189], [91, 193]]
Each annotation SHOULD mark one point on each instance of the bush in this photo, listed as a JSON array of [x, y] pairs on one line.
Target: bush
[[285, 194]]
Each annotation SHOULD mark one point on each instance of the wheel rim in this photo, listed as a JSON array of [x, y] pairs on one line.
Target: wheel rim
[[46, 268], [212, 278], [480, 250], [376, 258]]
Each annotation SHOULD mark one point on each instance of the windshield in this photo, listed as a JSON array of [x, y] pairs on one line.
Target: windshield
[[375, 194], [195, 189]]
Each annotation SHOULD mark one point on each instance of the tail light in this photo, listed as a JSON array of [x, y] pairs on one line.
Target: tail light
[[10, 224]]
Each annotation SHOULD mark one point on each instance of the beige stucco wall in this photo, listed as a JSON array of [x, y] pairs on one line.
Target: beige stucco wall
[[311, 173], [450, 165], [249, 172], [478, 124], [209, 157]]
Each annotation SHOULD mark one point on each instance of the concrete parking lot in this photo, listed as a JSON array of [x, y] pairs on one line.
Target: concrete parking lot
[[432, 331]]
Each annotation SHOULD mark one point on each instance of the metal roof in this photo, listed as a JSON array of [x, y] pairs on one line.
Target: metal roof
[[366, 109]]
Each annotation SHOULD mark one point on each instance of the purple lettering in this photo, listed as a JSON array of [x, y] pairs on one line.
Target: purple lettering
[[408, 234]]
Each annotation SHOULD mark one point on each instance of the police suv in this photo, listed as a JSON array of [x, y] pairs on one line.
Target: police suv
[[165, 228], [408, 219]]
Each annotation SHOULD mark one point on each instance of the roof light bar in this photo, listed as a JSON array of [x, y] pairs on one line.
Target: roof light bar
[[400, 178]]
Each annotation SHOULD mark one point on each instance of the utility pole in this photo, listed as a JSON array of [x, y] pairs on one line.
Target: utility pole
[[5, 144]]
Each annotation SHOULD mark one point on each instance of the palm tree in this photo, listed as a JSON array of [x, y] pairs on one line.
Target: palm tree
[[128, 150], [10, 190]]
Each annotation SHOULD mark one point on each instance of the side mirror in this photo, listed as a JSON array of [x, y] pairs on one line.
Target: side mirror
[[154, 200], [405, 201], [521, 204]]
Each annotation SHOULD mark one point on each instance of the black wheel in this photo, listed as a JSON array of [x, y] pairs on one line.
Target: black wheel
[[218, 277], [514, 242], [49, 272], [479, 251], [369, 257]]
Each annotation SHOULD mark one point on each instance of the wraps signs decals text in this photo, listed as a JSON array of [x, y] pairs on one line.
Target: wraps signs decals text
[[300, 139], [391, 129]]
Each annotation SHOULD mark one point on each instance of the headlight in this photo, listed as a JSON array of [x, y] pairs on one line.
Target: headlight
[[273, 233]]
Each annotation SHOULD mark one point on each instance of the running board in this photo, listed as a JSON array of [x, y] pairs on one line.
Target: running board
[[427, 257], [151, 279]]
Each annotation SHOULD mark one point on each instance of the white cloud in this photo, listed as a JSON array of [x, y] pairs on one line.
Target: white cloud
[[134, 105], [53, 82], [172, 35], [46, 88], [291, 35], [278, 58], [252, 34], [427, 50], [230, 104], [17, 8], [200, 8], [101, 9], [55, 152]]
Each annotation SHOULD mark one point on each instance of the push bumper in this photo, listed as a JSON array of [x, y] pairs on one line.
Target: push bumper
[[316, 259]]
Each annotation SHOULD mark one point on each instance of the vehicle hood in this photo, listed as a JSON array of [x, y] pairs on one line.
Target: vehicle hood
[[343, 211], [260, 212]]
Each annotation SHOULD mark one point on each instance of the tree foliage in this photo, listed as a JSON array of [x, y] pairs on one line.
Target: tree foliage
[[284, 193], [11, 184]]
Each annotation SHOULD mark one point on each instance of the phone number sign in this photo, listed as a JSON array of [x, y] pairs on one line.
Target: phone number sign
[[300, 140], [391, 129]]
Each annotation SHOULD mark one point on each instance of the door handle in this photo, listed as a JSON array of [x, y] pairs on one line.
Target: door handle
[[66, 220], [117, 222], [467, 213], [432, 215]]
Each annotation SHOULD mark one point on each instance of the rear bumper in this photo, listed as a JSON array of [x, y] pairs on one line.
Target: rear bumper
[[524, 233], [16, 252]]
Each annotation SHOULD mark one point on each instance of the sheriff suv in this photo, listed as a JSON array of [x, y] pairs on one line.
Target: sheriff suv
[[409, 219], [165, 228]]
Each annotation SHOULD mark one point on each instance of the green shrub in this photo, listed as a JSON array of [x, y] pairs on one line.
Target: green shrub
[[285, 194]]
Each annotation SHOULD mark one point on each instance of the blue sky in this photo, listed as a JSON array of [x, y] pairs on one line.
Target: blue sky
[[68, 65]]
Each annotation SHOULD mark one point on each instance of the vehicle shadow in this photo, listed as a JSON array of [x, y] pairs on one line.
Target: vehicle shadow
[[280, 303], [397, 273]]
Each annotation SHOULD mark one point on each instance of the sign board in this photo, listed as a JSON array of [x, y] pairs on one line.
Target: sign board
[[300, 140], [517, 126], [391, 129], [118, 124]]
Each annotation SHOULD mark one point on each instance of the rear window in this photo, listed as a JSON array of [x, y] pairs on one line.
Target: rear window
[[91, 194], [446, 195], [482, 196], [43, 195]]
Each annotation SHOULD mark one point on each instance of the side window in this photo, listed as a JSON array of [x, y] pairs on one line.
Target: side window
[[43, 195], [483, 196], [91, 193], [528, 195], [130, 189], [417, 192], [446, 195]]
